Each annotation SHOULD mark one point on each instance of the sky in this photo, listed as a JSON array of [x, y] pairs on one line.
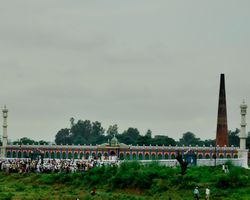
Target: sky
[[136, 63]]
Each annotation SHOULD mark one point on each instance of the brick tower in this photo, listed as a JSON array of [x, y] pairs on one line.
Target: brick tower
[[222, 132]]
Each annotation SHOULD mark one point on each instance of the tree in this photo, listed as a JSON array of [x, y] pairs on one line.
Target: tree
[[148, 134], [129, 136], [97, 129], [42, 142], [189, 138], [81, 132], [163, 140], [183, 163], [112, 130], [248, 141], [84, 132], [208, 142], [72, 122], [97, 133], [233, 137], [24, 140], [145, 140], [63, 137]]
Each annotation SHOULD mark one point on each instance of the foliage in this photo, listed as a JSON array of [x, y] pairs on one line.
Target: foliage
[[112, 130], [25, 141], [248, 141], [131, 180], [233, 137], [189, 138], [82, 132], [87, 132], [129, 136]]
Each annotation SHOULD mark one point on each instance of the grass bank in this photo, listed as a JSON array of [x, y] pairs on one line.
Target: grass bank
[[130, 181]]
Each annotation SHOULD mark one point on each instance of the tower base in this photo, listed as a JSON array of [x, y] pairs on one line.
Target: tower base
[[243, 154]]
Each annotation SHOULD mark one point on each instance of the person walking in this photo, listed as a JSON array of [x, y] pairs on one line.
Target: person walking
[[196, 193], [207, 192]]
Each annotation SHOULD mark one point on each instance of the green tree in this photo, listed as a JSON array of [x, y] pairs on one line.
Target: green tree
[[42, 142], [233, 137], [81, 132], [97, 133], [145, 140], [189, 138], [87, 132], [208, 142], [63, 136], [97, 129], [112, 130], [248, 141], [24, 140], [129, 136], [163, 140], [72, 122], [148, 134]]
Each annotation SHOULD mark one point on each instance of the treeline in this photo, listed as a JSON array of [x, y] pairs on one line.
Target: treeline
[[87, 132]]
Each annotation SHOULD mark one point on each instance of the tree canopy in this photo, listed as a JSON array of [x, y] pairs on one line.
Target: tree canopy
[[87, 132]]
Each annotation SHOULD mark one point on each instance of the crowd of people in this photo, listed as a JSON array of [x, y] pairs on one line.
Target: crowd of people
[[50, 165]]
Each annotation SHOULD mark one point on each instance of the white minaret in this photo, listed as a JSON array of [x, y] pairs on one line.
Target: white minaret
[[243, 152], [5, 136], [243, 136]]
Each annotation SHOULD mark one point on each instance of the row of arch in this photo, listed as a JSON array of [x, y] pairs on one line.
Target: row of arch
[[122, 155]]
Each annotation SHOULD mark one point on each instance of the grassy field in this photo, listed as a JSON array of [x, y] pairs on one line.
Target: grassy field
[[131, 181]]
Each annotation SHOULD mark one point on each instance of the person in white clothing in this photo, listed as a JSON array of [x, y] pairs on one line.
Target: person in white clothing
[[207, 192]]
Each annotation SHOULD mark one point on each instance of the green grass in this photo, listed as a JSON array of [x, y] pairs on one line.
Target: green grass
[[131, 181]]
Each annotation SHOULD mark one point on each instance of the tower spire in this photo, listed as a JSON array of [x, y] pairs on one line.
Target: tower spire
[[222, 131]]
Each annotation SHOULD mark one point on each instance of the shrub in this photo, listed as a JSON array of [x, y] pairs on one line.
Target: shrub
[[19, 187], [159, 186], [6, 196]]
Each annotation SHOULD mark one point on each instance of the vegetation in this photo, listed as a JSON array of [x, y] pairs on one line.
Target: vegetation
[[87, 132], [131, 181], [25, 140]]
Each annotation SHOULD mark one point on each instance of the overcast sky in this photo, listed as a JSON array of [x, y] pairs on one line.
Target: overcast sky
[[135, 63]]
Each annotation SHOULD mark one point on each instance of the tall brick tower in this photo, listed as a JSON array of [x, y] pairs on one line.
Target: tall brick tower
[[222, 132]]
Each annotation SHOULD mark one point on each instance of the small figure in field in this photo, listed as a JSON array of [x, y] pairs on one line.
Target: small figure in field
[[225, 168], [196, 193], [93, 191], [207, 192]]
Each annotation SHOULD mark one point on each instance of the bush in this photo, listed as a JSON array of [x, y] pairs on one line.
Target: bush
[[159, 186], [223, 181], [19, 187], [6, 196], [237, 177]]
